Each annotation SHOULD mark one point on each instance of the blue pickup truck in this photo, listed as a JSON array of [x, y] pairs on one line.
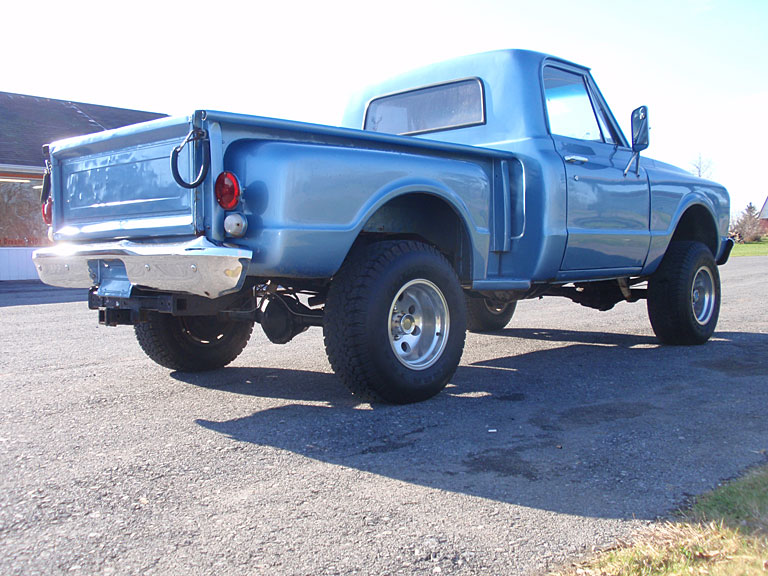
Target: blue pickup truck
[[473, 184]]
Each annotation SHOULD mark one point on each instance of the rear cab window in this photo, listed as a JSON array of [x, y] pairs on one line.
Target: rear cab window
[[447, 106]]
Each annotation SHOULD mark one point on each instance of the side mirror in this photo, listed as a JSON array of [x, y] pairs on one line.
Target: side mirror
[[639, 137], [640, 129]]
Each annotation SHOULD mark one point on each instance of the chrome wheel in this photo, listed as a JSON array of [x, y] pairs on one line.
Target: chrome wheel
[[419, 323], [395, 321], [703, 295], [495, 308], [486, 315], [202, 330]]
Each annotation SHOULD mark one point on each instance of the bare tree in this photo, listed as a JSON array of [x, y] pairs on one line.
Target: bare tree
[[20, 221], [702, 167], [746, 228]]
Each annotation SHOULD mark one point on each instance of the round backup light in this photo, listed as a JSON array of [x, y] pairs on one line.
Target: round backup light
[[235, 225], [47, 211], [227, 190]]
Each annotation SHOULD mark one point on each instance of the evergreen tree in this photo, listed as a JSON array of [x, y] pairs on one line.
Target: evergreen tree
[[747, 225]]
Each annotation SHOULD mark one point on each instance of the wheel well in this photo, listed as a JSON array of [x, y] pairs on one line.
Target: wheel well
[[697, 225], [426, 218]]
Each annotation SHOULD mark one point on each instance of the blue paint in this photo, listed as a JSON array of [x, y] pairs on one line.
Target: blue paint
[[528, 212]]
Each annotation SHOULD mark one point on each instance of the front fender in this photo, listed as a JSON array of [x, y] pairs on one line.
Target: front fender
[[660, 239]]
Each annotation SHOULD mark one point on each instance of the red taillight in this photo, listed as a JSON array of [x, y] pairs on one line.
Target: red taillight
[[47, 211], [227, 190]]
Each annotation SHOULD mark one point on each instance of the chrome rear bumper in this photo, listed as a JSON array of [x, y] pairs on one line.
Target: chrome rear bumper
[[196, 267]]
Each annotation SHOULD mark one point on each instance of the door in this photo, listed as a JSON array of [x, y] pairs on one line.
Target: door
[[607, 213]]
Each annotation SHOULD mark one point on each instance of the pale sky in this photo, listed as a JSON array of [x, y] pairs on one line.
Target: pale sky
[[698, 65]]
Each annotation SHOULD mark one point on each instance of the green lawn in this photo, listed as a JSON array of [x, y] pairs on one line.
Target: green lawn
[[751, 248], [724, 533]]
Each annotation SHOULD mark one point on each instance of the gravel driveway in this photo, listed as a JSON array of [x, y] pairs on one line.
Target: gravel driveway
[[567, 430]]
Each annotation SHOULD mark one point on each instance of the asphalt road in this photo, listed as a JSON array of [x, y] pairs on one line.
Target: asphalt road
[[565, 431]]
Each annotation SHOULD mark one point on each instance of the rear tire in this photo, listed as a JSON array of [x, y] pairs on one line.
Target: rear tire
[[395, 322], [684, 295], [192, 343], [485, 315]]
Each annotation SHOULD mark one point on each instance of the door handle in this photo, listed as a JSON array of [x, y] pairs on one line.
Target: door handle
[[572, 159]]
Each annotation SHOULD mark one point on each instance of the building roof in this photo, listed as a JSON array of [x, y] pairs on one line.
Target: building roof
[[764, 212], [28, 122]]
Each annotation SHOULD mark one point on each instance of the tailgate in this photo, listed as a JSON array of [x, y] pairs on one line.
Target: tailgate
[[118, 183]]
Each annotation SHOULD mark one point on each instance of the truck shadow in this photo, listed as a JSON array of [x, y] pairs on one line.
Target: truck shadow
[[615, 429], [32, 292], [554, 335]]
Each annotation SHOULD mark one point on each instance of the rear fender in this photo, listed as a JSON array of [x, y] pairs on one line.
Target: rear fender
[[308, 204], [428, 217]]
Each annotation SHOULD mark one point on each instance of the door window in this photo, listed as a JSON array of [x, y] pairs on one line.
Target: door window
[[569, 107]]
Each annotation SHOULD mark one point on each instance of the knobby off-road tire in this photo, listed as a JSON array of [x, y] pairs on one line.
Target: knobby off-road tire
[[484, 315], [192, 343], [684, 295], [395, 322]]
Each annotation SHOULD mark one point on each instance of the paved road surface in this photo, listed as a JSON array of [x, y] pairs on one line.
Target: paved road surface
[[566, 430]]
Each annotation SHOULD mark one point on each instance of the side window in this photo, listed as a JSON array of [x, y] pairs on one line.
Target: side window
[[605, 127], [569, 108]]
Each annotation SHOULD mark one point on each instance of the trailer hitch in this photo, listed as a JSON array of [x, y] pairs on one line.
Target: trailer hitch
[[196, 134]]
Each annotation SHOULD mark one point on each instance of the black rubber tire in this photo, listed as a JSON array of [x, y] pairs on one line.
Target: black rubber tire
[[192, 343], [671, 292], [357, 321], [483, 315]]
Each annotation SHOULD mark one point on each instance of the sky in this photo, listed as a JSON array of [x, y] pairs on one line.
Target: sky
[[700, 66]]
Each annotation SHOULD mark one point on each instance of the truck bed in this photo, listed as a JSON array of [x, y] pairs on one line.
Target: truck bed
[[117, 185]]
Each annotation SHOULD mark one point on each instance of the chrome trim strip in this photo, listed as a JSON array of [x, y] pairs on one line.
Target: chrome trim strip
[[524, 195], [506, 190], [196, 267], [71, 231]]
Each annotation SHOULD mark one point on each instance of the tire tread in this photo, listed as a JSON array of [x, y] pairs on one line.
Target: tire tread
[[669, 295], [479, 319], [160, 339], [344, 329]]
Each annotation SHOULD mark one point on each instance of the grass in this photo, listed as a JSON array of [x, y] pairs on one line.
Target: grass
[[724, 533], [751, 248]]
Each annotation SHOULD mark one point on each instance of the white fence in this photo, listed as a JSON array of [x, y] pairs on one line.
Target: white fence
[[16, 264]]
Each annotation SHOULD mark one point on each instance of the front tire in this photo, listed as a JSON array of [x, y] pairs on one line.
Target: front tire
[[192, 343], [684, 295], [485, 315], [395, 322]]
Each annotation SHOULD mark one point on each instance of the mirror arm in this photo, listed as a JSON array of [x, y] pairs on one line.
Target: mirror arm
[[635, 156]]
